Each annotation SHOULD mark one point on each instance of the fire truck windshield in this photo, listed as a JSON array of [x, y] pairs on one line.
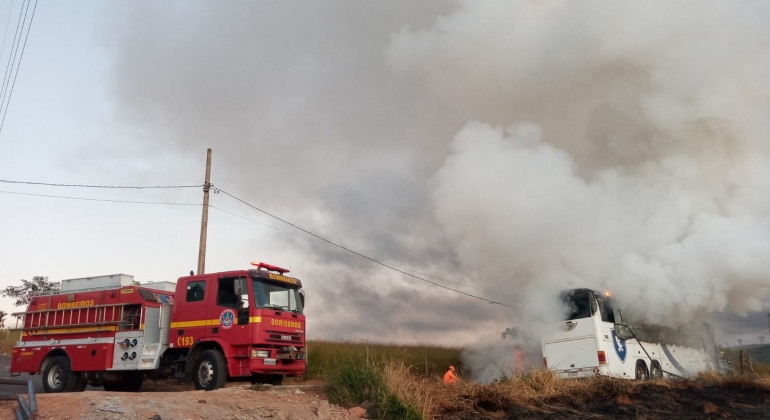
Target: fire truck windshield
[[270, 295]]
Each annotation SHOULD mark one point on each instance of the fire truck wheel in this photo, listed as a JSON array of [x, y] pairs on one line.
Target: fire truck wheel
[[210, 371], [81, 383], [58, 375], [130, 383], [275, 380]]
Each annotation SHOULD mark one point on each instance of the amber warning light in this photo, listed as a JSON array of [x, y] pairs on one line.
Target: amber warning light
[[269, 267]]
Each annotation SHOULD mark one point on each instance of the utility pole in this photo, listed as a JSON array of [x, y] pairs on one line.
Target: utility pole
[[204, 217]]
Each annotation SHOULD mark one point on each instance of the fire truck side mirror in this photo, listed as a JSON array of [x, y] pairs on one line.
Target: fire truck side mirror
[[302, 298], [238, 287]]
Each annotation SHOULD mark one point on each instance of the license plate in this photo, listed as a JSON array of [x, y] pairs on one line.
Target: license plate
[[270, 361]]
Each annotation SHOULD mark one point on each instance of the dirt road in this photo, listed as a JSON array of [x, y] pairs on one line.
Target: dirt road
[[238, 402]]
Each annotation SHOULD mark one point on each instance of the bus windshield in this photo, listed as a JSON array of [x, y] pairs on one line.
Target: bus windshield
[[270, 295], [577, 304]]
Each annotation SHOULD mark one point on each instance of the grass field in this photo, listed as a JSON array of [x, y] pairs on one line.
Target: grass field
[[325, 357], [404, 382]]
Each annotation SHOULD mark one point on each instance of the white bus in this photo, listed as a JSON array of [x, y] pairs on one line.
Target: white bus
[[594, 340]]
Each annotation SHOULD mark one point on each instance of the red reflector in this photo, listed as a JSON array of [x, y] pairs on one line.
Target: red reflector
[[602, 357], [545, 363]]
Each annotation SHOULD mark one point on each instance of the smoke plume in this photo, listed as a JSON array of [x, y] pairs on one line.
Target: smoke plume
[[520, 147]]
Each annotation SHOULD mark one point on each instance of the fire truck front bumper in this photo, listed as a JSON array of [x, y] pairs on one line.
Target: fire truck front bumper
[[272, 361], [277, 366]]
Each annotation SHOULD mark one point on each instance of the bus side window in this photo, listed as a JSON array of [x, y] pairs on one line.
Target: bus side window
[[605, 309]]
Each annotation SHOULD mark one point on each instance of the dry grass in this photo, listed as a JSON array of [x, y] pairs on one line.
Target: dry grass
[[540, 391]]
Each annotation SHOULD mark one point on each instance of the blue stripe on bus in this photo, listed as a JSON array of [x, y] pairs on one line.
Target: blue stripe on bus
[[670, 356]]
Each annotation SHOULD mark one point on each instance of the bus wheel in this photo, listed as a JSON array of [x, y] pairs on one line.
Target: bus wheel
[[655, 371], [58, 375], [641, 371], [210, 371]]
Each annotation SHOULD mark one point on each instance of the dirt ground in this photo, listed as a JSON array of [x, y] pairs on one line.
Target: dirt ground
[[238, 402]]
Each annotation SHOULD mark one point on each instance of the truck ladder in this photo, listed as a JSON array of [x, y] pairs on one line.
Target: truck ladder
[[48, 321]]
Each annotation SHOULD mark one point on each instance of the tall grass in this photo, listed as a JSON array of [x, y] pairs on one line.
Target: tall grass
[[363, 380], [325, 357]]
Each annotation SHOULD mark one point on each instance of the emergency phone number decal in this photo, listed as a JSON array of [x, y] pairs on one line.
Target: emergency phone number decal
[[185, 341]]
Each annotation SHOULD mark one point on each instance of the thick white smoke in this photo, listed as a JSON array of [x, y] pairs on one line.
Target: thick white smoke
[[619, 145], [636, 154]]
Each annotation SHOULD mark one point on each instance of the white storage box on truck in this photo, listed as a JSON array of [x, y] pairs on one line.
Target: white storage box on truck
[[112, 281], [165, 286]]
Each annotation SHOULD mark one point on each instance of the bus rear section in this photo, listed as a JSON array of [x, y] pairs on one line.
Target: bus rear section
[[570, 347]]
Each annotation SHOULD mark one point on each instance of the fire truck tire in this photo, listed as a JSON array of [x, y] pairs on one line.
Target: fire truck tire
[[58, 375], [274, 380], [210, 371], [130, 383], [81, 383]]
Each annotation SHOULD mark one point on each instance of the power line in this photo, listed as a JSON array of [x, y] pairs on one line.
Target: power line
[[360, 254], [745, 332], [12, 54], [18, 64], [401, 268], [101, 199], [5, 33], [255, 221], [142, 187], [748, 320]]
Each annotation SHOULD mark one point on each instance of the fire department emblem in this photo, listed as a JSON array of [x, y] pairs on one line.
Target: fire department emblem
[[620, 346], [227, 319]]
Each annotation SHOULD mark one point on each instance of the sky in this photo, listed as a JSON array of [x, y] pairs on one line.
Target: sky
[[515, 147]]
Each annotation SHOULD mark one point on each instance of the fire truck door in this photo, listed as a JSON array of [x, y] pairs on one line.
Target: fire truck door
[[232, 304], [191, 318]]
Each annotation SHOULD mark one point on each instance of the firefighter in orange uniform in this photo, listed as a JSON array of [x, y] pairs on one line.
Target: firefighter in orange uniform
[[449, 377]]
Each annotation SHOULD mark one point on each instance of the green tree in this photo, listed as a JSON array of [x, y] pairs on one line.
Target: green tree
[[38, 286]]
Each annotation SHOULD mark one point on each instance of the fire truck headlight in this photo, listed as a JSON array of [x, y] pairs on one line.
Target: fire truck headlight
[[260, 353]]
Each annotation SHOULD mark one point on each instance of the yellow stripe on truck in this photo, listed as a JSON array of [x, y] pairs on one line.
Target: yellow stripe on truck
[[208, 322]]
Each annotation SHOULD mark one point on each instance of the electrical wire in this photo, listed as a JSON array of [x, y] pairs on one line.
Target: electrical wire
[[11, 57], [255, 221], [101, 199], [764, 328], [143, 187], [360, 254], [18, 64], [401, 268], [743, 320], [5, 33]]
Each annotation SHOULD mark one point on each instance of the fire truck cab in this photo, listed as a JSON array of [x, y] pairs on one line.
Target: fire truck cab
[[110, 331]]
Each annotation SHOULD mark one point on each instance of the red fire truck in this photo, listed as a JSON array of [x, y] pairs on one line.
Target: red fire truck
[[113, 332]]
